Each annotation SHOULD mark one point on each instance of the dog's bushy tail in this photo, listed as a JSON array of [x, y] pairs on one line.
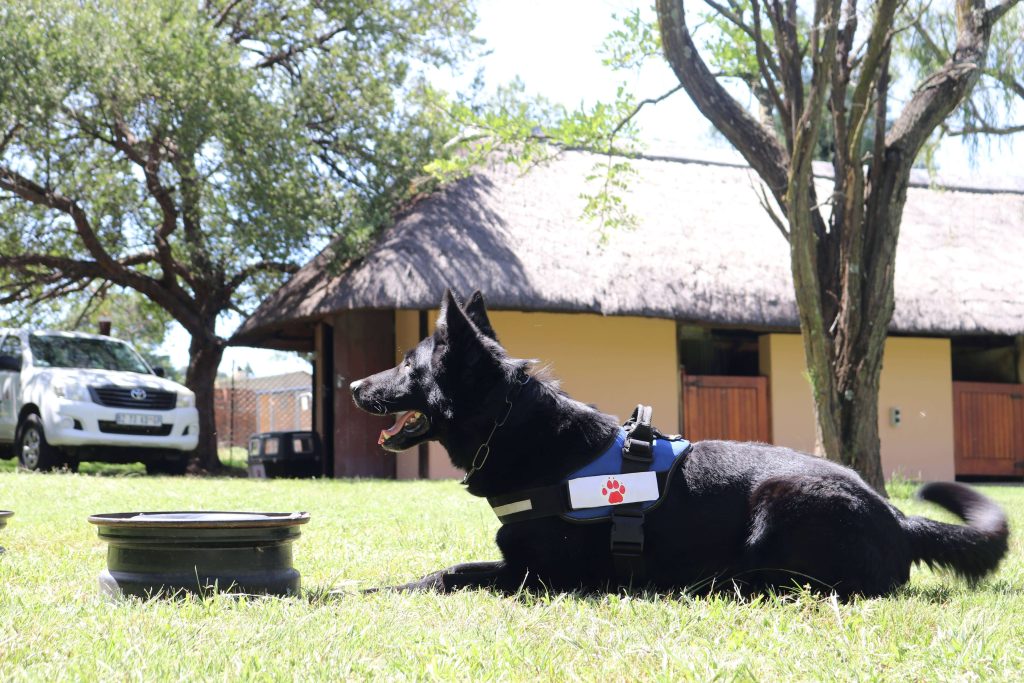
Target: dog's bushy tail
[[972, 551]]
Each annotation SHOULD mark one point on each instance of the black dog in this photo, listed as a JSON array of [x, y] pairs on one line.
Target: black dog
[[731, 514]]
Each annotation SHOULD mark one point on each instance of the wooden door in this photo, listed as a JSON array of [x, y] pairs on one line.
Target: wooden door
[[988, 429], [730, 408], [364, 343]]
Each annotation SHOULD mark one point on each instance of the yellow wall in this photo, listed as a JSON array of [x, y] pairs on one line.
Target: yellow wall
[[789, 391], [916, 378], [611, 362]]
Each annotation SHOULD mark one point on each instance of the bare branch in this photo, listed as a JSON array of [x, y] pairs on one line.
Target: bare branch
[[769, 68], [877, 46], [985, 130], [640, 105], [762, 198], [994, 14], [757, 144]]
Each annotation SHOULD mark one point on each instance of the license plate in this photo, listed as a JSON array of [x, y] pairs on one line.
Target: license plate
[[136, 420]]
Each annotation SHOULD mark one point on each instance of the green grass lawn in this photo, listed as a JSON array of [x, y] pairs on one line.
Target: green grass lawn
[[54, 624]]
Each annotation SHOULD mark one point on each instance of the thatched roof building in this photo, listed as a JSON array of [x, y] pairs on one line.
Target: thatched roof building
[[704, 251]]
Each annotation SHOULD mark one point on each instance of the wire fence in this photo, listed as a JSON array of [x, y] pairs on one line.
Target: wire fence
[[245, 405]]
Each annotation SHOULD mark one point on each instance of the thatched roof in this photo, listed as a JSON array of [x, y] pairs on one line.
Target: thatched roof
[[704, 252]]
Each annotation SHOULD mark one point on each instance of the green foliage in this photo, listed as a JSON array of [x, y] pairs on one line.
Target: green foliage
[[271, 127], [633, 43], [526, 131], [732, 52]]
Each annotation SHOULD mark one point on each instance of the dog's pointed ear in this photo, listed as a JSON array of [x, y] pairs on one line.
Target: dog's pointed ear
[[453, 324], [476, 311]]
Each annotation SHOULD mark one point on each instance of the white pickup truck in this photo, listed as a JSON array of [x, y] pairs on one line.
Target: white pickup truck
[[67, 397]]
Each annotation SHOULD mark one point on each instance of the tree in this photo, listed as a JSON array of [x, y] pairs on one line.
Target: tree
[[197, 152], [833, 67]]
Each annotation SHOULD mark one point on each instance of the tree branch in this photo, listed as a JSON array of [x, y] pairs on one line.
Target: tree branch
[[222, 16], [636, 110], [943, 90], [261, 266], [757, 144], [290, 51], [985, 130]]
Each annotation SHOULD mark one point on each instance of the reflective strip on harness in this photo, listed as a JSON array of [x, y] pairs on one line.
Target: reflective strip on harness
[[616, 489], [513, 508]]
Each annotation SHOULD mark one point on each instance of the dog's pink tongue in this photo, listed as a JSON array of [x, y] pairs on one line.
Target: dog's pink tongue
[[386, 434]]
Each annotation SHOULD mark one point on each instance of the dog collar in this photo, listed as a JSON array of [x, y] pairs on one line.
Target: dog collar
[[596, 489]]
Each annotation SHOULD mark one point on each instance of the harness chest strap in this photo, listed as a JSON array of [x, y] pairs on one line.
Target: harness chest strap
[[577, 494]]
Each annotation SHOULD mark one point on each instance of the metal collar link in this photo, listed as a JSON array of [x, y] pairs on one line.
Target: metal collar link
[[485, 448]]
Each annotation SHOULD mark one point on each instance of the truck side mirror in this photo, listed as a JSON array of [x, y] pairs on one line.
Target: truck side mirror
[[10, 364], [159, 372]]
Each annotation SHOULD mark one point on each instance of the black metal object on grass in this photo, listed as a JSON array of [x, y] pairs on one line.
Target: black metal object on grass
[[165, 553], [285, 454], [4, 514]]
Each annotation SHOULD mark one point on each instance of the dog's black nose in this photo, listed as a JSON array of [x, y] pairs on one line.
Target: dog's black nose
[[354, 386]]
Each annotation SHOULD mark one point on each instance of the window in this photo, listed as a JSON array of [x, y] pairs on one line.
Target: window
[[11, 346], [703, 351], [986, 359], [56, 351]]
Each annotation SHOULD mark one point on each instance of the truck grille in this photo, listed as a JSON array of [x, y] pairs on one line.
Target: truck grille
[[108, 427], [121, 397]]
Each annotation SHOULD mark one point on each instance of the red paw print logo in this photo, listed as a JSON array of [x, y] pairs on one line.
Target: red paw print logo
[[614, 490]]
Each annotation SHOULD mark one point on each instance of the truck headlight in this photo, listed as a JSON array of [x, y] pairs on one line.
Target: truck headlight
[[72, 392], [187, 400]]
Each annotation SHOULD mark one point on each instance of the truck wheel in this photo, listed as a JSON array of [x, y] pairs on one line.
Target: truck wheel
[[34, 453], [171, 466]]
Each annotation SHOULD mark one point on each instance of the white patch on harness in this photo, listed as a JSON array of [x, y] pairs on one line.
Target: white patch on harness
[[612, 489], [513, 508]]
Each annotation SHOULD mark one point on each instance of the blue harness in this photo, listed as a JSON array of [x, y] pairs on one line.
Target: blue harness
[[628, 478], [602, 486], [667, 452]]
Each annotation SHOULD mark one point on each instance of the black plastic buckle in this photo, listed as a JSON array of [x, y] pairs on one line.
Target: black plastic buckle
[[637, 450], [627, 537]]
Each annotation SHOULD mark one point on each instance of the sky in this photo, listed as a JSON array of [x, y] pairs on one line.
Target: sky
[[552, 46]]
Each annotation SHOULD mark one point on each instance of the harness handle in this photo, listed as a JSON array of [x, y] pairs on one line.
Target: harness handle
[[638, 449]]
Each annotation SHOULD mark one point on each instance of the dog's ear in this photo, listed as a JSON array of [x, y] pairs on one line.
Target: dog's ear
[[476, 311], [452, 322], [456, 330]]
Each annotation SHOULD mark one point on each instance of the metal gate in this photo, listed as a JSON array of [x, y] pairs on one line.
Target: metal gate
[[731, 408], [988, 429]]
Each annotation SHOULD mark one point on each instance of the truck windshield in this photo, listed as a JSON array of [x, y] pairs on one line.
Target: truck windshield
[[51, 351]]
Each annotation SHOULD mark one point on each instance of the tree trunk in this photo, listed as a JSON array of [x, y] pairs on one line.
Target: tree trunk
[[205, 354]]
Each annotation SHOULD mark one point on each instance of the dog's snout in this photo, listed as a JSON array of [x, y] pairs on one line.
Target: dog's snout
[[354, 386]]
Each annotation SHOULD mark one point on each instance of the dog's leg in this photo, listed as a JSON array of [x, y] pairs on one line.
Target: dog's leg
[[495, 575]]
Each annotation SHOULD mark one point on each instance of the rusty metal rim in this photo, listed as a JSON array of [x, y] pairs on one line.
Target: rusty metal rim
[[152, 519]]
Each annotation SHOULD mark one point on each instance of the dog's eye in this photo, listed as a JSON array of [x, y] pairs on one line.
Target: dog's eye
[[407, 364]]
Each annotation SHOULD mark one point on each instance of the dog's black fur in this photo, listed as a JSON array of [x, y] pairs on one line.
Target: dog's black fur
[[744, 515]]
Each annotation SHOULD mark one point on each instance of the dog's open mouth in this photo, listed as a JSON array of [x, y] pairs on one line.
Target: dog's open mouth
[[408, 425]]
